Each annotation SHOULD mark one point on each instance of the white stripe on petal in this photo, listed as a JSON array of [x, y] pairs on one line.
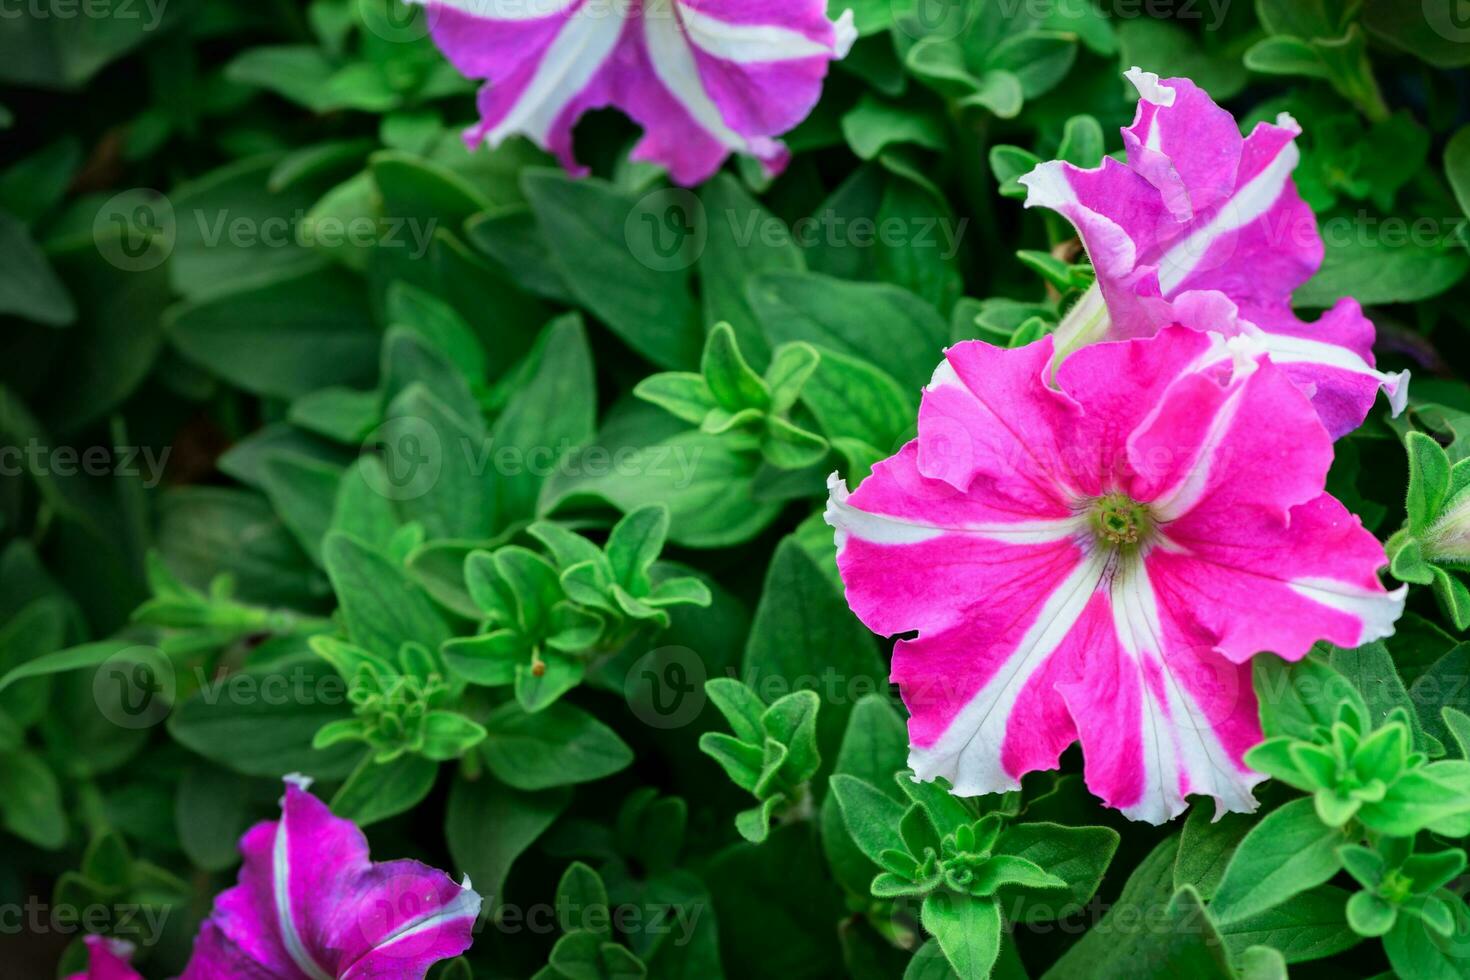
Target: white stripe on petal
[[465, 905], [508, 10], [281, 892], [571, 61], [968, 754], [1286, 349], [1177, 736], [748, 43], [674, 64], [1149, 88], [886, 529], [1377, 611], [1249, 203], [1184, 495]]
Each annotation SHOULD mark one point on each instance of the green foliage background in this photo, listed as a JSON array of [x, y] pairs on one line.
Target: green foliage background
[[329, 446]]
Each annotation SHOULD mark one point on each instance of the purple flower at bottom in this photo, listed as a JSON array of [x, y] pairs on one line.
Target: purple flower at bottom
[[311, 905], [704, 78]]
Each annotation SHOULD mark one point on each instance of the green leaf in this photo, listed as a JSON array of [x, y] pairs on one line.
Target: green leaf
[[681, 393], [1309, 927], [929, 964], [1428, 479], [876, 322], [551, 414], [874, 746], [72, 658], [1457, 723], [741, 707], [731, 380], [634, 545], [946, 812], [968, 931], [1369, 915], [754, 824], [559, 746], [581, 900], [870, 816], [210, 813], [873, 125], [449, 735], [701, 478], [1371, 670], [1375, 272], [284, 337], [852, 399], [1435, 797], [1414, 950], [382, 607], [623, 259], [30, 801], [1077, 856], [1206, 845], [233, 230], [777, 904], [261, 721], [304, 494], [744, 239], [376, 791], [1296, 698], [803, 630], [1457, 166], [1134, 940], [28, 286], [1288, 852], [488, 825], [296, 72]]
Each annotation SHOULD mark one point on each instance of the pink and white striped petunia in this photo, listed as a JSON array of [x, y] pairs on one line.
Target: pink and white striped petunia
[[1205, 228], [310, 905], [1099, 559], [107, 959], [704, 78]]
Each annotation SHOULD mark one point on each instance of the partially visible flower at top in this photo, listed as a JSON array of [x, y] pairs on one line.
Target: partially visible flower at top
[[107, 960], [310, 905], [1205, 228], [1099, 559], [704, 78]]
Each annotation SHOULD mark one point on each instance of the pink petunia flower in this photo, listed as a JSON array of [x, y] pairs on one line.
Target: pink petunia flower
[[1205, 228], [704, 78], [107, 959], [310, 905], [1099, 560]]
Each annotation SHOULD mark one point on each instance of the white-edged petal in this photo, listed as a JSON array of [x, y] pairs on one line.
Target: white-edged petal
[[968, 754]]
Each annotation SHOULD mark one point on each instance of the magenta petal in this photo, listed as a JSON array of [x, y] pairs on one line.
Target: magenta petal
[[215, 957], [1034, 625], [310, 905], [704, 78], [399, 918], [1199, 211], [107, 959]]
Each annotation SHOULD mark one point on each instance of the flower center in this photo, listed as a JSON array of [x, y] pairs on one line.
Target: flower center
[[1120, 522]]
